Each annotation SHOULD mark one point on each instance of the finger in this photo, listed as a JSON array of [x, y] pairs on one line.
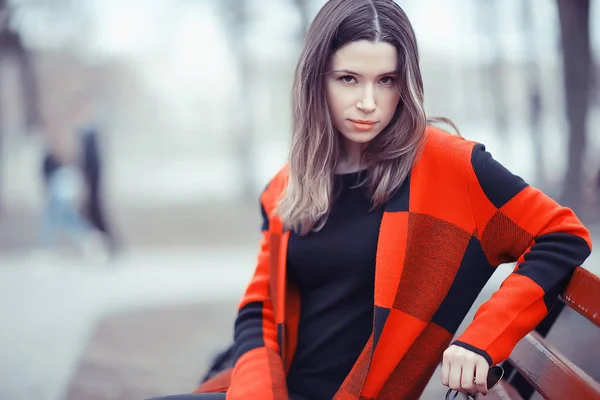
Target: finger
[[455, 376], [481, 372], [468, 377], [445, 371]]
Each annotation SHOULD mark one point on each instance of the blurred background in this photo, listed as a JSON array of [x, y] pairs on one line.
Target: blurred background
[[164, 119]]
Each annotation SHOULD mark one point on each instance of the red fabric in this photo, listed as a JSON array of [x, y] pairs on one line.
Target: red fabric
[[218, 383]]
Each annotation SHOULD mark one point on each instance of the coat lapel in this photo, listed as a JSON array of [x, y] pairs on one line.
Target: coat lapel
[[278, 241]]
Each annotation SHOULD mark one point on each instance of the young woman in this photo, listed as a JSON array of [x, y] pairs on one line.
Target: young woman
[[381, 232]]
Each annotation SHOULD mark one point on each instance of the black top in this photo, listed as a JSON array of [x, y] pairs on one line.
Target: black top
[[334, 269]]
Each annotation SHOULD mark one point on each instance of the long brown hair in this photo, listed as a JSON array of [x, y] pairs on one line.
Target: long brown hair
[[315, 142]]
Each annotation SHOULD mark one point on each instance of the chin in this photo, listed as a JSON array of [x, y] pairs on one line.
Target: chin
[[360, 137]]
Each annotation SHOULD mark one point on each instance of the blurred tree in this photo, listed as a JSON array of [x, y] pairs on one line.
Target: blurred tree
[[574, 17], [235, 13], [11, 44], [237, 16], [595, 82], [303, 11], [534, 92], [494, 72]]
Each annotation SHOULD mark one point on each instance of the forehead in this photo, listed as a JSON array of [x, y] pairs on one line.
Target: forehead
[[364, 57]]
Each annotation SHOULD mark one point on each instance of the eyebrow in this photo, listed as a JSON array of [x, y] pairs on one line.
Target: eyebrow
[[347, 71]]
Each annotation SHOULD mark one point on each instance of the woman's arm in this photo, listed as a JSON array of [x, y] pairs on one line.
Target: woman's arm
[[258, 372], [516, 222]]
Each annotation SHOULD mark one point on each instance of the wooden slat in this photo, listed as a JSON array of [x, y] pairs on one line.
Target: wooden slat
[[550, 373], [502, 391], [583, 295]]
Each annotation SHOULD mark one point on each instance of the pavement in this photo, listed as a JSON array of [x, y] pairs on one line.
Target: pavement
[[49, 310]]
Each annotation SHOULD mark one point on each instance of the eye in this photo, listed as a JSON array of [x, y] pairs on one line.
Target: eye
[[347, 79], [388, 80]]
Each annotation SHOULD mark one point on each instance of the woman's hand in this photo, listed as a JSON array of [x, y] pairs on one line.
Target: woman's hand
[[464, 370]]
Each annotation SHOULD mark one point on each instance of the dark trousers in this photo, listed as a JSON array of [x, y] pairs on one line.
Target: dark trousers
[[199, 396], [208, 396]]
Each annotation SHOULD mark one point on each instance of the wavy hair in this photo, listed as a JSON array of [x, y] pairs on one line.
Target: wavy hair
[[316, 145]]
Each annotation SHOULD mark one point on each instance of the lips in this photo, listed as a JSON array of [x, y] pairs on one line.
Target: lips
[[363, 125]]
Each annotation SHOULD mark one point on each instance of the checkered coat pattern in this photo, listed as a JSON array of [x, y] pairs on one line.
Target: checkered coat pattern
[[454, 220]]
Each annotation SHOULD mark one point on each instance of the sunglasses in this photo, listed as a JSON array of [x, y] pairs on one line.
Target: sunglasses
[[494, 376]]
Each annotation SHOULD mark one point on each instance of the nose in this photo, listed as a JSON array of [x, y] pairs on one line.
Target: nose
[[367, 102]]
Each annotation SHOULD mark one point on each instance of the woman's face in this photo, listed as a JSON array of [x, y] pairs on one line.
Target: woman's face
[[362, 92]]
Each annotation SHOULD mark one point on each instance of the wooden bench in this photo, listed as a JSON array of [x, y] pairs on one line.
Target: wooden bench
[[549, 372]]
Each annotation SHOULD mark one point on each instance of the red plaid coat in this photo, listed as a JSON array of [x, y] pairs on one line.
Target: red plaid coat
[[455, 219]]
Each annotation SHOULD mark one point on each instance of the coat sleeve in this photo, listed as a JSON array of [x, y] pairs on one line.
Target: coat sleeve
[[258, 372], [516, 222]]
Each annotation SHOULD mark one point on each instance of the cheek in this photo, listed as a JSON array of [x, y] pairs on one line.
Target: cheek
[[389, 103], [337, 100]]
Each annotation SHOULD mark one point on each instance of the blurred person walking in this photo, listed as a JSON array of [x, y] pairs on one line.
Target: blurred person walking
[[50, 164], [92, 166], [63, 196]]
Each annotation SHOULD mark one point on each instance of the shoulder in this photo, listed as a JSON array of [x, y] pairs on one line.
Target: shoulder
[[452, 148], [446, 145], [448, 151], [274, 190]]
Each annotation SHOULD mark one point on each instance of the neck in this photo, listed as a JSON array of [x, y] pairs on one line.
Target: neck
[[351, 157]]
